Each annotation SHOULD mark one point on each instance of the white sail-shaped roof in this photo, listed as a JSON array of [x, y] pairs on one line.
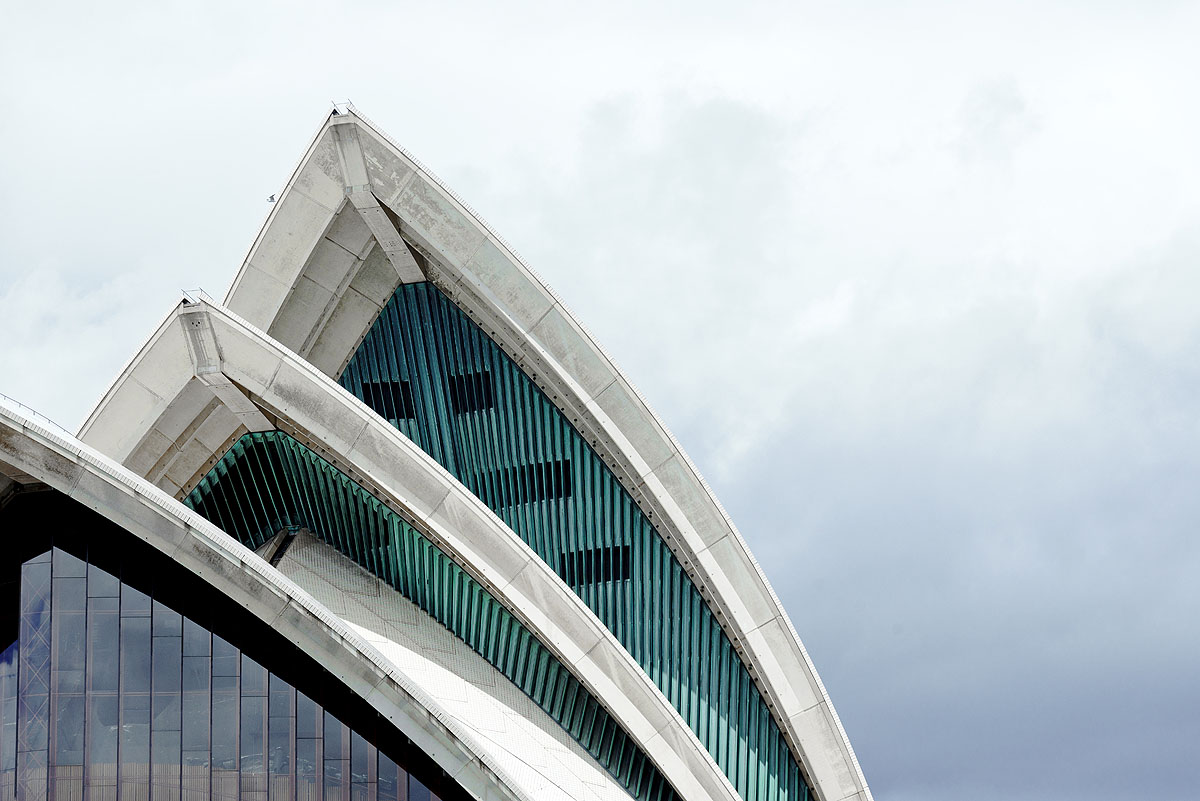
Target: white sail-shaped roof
[[360, 216]]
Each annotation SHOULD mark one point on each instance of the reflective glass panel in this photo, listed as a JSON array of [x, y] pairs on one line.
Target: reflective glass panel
[[109, 694]]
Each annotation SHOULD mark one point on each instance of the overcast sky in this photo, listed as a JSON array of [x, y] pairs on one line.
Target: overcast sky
[[917, 285]]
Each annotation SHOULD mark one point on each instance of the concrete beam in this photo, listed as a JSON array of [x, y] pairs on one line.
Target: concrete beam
[[358, 190], [207, 367]]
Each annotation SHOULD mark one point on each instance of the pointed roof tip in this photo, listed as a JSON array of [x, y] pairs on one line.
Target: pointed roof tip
[[345, 108]]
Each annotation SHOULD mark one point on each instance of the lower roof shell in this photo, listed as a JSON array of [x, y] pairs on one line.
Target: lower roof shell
[[31, 452], [291, 283]]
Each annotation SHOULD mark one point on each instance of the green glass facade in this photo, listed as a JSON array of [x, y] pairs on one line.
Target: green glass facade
[[429, 370], [268, 482]]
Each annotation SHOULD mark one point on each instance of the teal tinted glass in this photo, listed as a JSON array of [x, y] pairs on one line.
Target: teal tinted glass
[[428, 369], [268, 481]]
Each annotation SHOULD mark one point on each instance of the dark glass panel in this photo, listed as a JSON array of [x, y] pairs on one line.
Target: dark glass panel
[[102, 584], [35, 594], [337, 759], [8, 713], [388, 782], [105, 604], [103, 634], [224, 725], [167, 622], [390, 399], [308, 755], [279, 746], [196, 709], [334, 731], [254, 677], [135, 653], [166, 709], [167, 661], [254, 719], [471, 392], [195, 720], [134, 771], [68, 729], [308, 774], [70, 595], [67, 565], [195, 673], [358, 758], [197, 641], [281, 727], [166, 769], [102, 731], [224, 658], [134, 603], [135, 747], [418, 791], [135, 729], [70, 637], [308, 717], [282, 694]]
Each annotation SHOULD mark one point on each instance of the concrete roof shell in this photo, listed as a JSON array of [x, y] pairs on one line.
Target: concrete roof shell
[[360, 215], [32, 450], [206, 377]]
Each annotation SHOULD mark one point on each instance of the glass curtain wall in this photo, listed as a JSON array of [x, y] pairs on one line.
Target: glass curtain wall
[[268, 482], [110, 695], [429, 370]]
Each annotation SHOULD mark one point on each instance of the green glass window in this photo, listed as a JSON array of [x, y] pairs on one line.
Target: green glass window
[[269, 482], [469, 406]]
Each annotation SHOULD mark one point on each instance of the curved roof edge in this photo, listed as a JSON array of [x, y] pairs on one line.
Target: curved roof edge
[[207, 377], [69, 466], [475, 267]]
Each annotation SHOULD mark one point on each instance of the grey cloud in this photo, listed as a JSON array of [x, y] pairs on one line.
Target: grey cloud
[[970, 480]]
